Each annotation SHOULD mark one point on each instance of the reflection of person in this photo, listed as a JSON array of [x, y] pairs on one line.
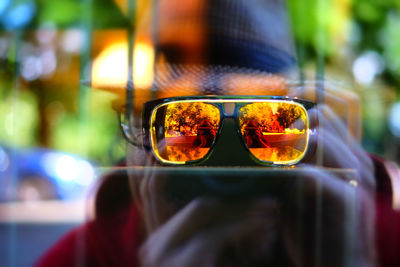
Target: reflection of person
[[253, 135], [275, 127], [324, 220], [205, 135]]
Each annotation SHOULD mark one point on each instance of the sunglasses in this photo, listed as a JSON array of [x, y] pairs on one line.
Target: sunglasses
[[185, 130]]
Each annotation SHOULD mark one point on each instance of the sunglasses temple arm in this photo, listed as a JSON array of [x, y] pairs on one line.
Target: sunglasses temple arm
[[133, 138]]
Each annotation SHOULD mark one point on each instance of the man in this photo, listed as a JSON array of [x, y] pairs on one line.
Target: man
[[320, 213]]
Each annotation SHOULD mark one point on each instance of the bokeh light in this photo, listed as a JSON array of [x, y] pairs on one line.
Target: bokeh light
[[4, 160], [72, 40], [110, 68], [19, 15], [367, 66], [394, 119]]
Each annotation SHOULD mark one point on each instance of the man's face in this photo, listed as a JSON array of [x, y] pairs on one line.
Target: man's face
[[256, 227], [152, 188], [256, 230]]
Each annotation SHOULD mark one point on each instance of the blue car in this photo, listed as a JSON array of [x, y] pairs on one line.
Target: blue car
[[43, 174]]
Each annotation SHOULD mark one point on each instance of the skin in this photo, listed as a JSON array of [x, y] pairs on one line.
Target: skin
[[321, 215], [323, 220]]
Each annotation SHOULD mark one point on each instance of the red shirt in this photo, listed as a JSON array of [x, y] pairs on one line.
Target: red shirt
[[114, 237]]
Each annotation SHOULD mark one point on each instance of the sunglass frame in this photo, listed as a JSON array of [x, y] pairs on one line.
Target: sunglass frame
[[151, 107]]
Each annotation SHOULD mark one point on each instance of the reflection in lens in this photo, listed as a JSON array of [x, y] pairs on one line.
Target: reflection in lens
[[274, 131], [184, 131]]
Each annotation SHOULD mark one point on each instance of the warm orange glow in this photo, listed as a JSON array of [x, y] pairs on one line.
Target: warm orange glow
[[274, 117], [186, 117], [294, 131], [274, 131], [277, 154], [188, 130], [185, 85], [143, 63], [110, 68], [183, 154], [255, 84]]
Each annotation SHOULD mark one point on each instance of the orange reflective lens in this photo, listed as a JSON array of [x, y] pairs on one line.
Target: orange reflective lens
[[275, 131], [184, 131]]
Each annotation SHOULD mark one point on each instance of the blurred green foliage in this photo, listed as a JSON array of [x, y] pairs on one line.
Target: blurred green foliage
[[62, 14], [103, 142], [391, 44], [363, 25], [338, 30], [19, 118], [40, 114]]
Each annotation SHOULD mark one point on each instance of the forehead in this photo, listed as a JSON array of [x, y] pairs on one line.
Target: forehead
[[205, 82], [197, 44], [180, 28]]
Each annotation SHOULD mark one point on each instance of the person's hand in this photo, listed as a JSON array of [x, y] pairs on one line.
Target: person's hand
[[336, 148], [330, 215], [327, 218], [212, 233], [264, 232]]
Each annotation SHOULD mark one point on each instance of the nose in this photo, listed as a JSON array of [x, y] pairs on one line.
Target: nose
[[229, 149]]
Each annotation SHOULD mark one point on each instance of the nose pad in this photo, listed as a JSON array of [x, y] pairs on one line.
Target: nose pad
[[229, 149]]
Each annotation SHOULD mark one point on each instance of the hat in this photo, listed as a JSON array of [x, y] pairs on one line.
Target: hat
[[215, 47], [242, 34]]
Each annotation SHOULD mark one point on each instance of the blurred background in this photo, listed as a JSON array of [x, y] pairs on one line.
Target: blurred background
[[63, 63]]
